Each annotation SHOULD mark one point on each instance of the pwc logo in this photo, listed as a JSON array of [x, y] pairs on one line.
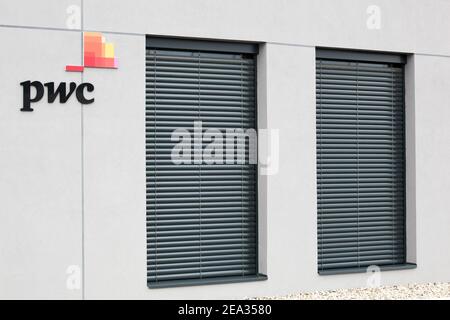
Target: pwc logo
[[97, 53]]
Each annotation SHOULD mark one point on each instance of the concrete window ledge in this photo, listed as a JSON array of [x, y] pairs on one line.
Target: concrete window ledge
[[363, 270], [196, 282]]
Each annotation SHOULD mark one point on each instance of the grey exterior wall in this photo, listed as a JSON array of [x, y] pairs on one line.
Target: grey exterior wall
[[72, 178]]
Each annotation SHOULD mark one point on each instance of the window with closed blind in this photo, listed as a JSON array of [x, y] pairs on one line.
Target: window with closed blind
[[360, 161], [201, 216]]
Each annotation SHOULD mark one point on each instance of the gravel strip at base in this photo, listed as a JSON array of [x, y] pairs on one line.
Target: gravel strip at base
[[402, 292]]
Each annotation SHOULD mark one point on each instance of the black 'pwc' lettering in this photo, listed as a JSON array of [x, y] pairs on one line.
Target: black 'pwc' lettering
[[52, 93], [80, 93], [27, 100], [60, 91]]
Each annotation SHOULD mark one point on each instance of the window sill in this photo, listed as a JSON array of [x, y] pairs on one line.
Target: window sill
[[206, 281], [405, 266]]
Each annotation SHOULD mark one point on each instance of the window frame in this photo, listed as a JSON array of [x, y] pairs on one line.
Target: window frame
[[371, 57], [214, 46]]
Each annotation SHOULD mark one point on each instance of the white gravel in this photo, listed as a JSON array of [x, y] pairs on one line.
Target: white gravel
[[403, 292]]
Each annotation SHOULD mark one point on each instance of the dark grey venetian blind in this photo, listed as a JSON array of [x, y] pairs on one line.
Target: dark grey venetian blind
[[201, 218], [360, 164]]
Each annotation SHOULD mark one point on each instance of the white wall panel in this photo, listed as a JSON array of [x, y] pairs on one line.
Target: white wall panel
[[40, 168]]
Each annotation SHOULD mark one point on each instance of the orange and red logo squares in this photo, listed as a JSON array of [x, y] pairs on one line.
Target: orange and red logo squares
[[97, 53]]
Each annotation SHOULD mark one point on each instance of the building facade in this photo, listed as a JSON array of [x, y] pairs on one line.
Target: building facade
[[90, 209]]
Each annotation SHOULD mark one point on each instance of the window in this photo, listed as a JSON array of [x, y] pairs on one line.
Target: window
[[360, 160], [201, 216]]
